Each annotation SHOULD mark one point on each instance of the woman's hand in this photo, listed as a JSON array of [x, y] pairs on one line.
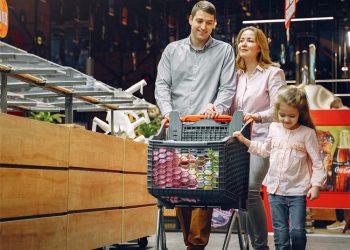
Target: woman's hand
[[210, 112], [256, 117], [314, 193]]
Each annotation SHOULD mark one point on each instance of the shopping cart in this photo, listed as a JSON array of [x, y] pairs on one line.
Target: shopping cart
[[195, 163]]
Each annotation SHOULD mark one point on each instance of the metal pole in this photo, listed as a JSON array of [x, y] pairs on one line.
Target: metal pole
[[312, 63], [3, 92], [112, 122], [36, 13], [68, 109], [297, 68]]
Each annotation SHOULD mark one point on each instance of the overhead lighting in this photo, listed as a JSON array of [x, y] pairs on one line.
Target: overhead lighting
[[348, 38], [293, 20]]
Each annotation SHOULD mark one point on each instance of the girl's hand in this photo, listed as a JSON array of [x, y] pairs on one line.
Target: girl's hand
[[313, 193], [238, 135], [241, 138], [256, 117]]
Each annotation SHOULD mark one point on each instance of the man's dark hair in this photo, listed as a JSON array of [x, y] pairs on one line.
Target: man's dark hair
[[205, 6]]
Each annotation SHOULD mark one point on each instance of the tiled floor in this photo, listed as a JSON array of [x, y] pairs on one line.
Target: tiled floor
[[320, 240]]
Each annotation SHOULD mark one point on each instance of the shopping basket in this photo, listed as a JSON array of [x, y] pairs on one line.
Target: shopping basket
[[195, 163]]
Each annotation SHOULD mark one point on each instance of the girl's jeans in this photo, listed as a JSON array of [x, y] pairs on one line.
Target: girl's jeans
[[288, 221]]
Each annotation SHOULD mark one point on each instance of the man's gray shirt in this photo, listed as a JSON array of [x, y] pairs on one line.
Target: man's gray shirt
[[188, 79]]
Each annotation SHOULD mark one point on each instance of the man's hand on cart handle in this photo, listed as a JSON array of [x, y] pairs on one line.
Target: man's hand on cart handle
[[165, 118], [210, 111]]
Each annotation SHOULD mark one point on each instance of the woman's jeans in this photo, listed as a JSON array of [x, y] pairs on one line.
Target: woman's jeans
[[288, 221], [256, 215]]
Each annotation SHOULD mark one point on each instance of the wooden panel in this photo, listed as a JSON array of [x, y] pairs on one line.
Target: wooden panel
[[95, 150], [30, 191], [92, 189], [29, 142], [169, 212], [135, 156], [323, 214], [36, 234], [94, 229], [139, 222], [135, 190]]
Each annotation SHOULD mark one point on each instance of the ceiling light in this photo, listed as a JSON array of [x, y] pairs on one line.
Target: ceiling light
[[293, 20]]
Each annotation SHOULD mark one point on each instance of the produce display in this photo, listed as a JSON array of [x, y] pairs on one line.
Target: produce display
[[185, 168]]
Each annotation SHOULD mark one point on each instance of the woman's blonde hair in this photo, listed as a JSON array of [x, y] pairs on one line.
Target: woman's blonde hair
[[263, 57], [296, 97]]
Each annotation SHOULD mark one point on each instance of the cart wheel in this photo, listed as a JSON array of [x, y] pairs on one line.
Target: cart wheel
[[142, 242]]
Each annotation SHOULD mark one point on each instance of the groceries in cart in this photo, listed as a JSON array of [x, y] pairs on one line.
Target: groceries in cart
[[192, 169]]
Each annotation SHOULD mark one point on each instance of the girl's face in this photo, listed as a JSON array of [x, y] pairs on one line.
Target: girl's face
[[288, 116], [248, 46]]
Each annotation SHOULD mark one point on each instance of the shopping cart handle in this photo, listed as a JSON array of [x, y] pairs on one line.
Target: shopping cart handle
[[195, 118]]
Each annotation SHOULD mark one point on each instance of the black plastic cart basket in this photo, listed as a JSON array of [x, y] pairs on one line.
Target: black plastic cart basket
[[195, 163]]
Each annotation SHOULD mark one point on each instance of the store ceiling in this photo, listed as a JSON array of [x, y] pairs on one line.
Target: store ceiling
[[154, 23]]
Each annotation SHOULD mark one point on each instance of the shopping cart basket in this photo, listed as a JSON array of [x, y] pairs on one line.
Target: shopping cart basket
[[195, 163]]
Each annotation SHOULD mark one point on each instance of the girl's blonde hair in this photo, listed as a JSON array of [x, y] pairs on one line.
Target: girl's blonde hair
[[295, 97], [263, 57]]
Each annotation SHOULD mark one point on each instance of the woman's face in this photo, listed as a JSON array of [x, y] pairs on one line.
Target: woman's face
[[248, 46]]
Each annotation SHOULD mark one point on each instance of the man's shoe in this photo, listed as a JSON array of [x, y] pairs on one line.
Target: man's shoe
[[336, 225]]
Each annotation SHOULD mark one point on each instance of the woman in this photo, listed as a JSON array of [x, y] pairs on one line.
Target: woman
[[258, 81]]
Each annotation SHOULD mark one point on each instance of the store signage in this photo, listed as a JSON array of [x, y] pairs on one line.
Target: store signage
[[3, 18], [333, 132], [289, 11]]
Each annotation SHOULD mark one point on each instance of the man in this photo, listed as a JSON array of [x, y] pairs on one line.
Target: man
[[196, 76]]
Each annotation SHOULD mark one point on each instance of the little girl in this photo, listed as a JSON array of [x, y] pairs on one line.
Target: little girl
[[296, 169]]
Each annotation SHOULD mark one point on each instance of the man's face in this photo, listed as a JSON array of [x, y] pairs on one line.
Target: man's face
[[202, 25]]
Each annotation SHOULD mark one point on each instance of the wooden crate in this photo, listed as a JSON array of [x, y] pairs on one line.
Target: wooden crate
[[139, 222], [92, 189], [34, 234], [135, 158], [29, 142], [135, 190], [95, 150], [26, 192], [91, 230]]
